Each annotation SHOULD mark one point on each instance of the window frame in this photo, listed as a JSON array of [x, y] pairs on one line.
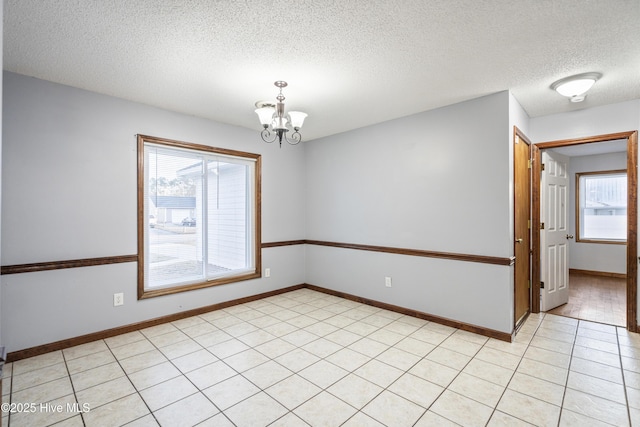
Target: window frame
[[578, 208], [257, 197]]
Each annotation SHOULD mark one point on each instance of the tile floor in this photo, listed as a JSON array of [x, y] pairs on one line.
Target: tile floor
[[307, 358], [595, 298]]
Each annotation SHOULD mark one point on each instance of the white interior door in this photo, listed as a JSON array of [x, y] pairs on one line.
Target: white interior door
[[554, 254]]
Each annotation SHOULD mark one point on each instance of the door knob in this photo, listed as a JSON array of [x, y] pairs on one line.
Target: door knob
[[569, 236], [518, 240]]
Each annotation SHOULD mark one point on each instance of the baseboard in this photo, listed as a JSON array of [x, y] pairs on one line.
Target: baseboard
[[100, 335], [83, 339], [502, 336], [597, 273]]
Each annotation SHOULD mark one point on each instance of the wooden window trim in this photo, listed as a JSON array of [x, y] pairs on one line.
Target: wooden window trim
[[577, 208], [257, 228]]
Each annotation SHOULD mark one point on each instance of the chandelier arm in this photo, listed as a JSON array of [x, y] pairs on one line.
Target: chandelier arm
[[295, 139], [267, 136]]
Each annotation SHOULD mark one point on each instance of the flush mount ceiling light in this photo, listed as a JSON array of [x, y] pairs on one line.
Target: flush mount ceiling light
[[276, 123], [576, 87]]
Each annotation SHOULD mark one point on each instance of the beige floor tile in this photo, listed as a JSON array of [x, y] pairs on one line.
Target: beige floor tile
[[212, 338], [361, 420], [267, 374], [118, 412], [549, 357], [158, 330], [417, 390], [45, 413], [323, 373], [598, 370], [314, 411], [461, 410], [632, 379], [38, 376], [84, 350], [322, 347], [515, 348], [106, 392], [379, 373], [528, 408], [599, 356], [259, 409], [348, 359], [44, 392], [597, 387], [497, 357], [537, 388], [168, 338], [96, 376], [297, 359], [124, 339], [597, 344], [449, 358], [368, 347], [275, 348], [398, 358], [230, 391], [343, 337], [434, 372], [543, 371], [633, 397], [188, 322], [154, 375], [391, 409], [293, 391], [355, 390], [199, 329], [210, 374], [430, 419], [631, 364], [477, 389], [386, 337], [163, 394], [36, 362], [256, 338], [186, 412], [142, 361], [595, 407], [414, 346], [195, 360], [91, 361], [429, 336], [572, 419], [289, 420], [179, 349], [500, 419], [228, 348], [460, 345], [132, 349], [246, 360]]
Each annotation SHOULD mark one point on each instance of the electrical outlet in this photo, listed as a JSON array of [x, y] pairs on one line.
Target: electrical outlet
[[267, 272], [118, 299], [387, 282]]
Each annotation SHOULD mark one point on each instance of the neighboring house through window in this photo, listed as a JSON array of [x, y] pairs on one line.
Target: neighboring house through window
[[601, 200], [199, 216]]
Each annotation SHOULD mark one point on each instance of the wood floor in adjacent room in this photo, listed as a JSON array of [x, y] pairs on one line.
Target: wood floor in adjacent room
[[595, 298]]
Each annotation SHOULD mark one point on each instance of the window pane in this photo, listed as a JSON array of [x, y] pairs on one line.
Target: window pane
[[173, 190], [603, 206]]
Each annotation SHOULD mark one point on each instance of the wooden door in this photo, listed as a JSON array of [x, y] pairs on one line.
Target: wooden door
[[522, 223], [554, 207]]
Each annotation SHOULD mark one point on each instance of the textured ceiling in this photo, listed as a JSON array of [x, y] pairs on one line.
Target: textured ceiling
[[349, 63]]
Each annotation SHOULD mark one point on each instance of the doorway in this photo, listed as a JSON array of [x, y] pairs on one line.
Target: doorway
[[631, 139]]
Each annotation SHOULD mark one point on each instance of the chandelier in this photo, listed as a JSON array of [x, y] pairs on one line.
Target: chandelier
[[276, 123]]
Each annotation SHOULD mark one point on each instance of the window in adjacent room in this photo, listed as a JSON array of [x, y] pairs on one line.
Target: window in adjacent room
[[199, 216], [601, 198]]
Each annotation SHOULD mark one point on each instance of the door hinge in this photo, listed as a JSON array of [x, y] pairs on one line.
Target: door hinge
[[541, 285], [542, 226], [541, 166], [529, 164]]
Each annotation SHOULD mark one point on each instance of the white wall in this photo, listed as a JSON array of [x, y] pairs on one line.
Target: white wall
[[594, 256], [621, 117], [69, 192], [440, 181]]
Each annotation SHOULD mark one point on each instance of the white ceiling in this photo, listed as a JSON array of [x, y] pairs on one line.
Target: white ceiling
[[349, 63]]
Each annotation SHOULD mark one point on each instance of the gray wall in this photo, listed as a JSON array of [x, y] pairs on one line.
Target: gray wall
[[621, 117], [439, 181], [69, 192], [594, 256]]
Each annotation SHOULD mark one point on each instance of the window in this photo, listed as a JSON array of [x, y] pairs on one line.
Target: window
[[198, 216], [601, 198]]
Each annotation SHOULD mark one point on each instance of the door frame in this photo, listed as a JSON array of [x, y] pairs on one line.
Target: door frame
[[517, 133], [632, 217]]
